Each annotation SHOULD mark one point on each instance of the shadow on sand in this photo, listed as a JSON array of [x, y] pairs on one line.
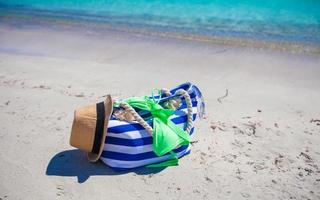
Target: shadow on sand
[[75, 163]]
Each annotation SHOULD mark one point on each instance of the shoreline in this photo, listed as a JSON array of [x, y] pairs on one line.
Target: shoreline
[[101, 27]]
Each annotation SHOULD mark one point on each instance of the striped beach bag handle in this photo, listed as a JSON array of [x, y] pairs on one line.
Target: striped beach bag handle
[[144, 124]]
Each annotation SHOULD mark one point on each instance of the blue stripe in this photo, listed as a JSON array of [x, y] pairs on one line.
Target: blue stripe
[[129, 142], [136, 126], [191, 131], [136, 157], [126, 127]]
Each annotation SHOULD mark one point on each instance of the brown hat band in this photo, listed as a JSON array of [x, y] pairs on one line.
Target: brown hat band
[[99, 128]]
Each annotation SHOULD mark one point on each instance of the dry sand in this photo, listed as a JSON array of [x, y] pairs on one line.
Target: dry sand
[[261, 141]]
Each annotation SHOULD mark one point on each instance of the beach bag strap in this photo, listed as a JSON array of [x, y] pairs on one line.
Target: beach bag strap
[[149, 129]]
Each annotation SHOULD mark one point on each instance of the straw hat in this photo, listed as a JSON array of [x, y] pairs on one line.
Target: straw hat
[[89, 128]]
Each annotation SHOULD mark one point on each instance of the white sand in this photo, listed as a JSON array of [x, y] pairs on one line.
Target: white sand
[[45, 74]]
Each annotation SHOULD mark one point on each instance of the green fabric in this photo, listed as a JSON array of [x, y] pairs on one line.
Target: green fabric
[[167, 163], [173, 162], [166, 134]]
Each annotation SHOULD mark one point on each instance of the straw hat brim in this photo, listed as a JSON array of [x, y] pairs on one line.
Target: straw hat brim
[[108, 104]]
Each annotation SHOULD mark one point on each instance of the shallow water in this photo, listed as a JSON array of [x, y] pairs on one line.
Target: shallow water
[[276, 20]]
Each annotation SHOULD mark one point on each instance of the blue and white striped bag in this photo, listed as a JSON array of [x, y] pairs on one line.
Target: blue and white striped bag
[[128, 145]]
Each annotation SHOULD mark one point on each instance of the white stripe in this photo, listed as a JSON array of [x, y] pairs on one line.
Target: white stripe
[[130, 134], [127, 149], [132, 164]]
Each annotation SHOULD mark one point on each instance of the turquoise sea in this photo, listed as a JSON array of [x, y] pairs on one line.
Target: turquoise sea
[[296, 21]]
